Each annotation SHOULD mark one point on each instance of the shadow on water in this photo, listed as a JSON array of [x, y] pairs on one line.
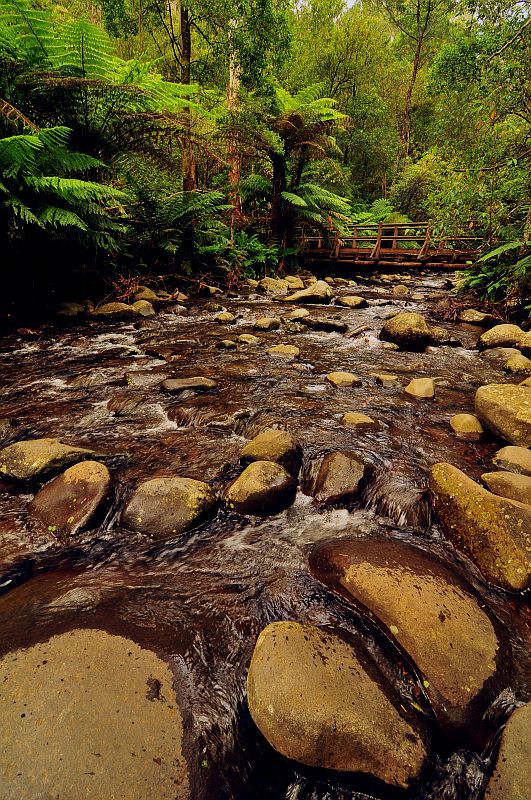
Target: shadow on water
[[201, 599]]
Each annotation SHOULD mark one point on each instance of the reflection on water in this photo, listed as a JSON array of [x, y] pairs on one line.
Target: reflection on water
[[201, 599]]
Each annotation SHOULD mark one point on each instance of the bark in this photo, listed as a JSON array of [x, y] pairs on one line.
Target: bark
[[233, 154], [189, 166], [277, 203]]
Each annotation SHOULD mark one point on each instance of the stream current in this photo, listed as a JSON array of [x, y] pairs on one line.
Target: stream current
[[200, 600]]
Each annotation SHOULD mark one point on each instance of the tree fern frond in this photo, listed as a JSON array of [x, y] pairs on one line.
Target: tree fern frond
[[61, 218]]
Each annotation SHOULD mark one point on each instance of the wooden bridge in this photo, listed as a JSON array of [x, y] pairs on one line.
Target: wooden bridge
[[387, 245]]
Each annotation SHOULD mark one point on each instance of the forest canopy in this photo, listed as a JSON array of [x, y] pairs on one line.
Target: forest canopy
[[207, 137]]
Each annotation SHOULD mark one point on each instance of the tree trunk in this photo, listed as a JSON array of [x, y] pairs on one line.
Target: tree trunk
[[233, 155], [405, 133], [277, 203], [188, 159]]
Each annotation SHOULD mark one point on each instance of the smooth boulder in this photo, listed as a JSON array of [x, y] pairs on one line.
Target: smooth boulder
[[473, 317], [336, 478], [493, 531], [318, 292], [166, 507], [287, 351], [274, 445], [513, 459], [197, 384], [505, 409], [144, 308], [324, 324], [408, 330], [262, 490], [518, 365], [511, 779], [35, 458], [510, 485], [114, 312], [87, 714], [467, 427], [420, 387], [351, 301], [355, 419], [317, 700], [343, 379], [69, 503], [430, 611], [267, 324], [500, 336]]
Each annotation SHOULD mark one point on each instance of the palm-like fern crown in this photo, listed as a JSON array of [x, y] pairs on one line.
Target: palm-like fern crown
[[306, 118]]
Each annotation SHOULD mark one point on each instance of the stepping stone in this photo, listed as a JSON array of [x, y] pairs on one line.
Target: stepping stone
[[420, 387], [342, 379], [288, 351], [227, 344], [467, 427], [351, 301], [511, 778], [263, 489], [355, 419], [386, 380], [513, 459], [325, 325], [36, 458], [336, 478], [248, 338], [225, 317], [198, 384], [274, 445], [267, 324]]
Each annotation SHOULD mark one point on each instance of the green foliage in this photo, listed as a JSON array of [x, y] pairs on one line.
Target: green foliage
[[500, 276]]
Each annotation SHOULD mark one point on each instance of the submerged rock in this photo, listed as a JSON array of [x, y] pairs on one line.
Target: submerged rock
[[263, 489], [511, 778], [274, 445], [506, 410], [324, 324], [69, 502], [500, 336], [78, 720], [420, 387], [510, 485], [494, 532], [351, 301], [408, 330], [35, 458], [144, 378], [318, 700], [342, 379], [337, 478], [513, 459], [144, 308], [318, 292], [267, 324], [166, 507], [124, 404], [467, 427], [197, 384], [432, 613]]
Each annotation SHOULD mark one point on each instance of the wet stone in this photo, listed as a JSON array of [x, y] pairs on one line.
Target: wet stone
[[505, 409], [524, 344], [315, 698], [144, 379], [318, 292], [500, 336], [513, 459], [248, 338], [144, 308], [509, 484], [287, 351], [511, 778], [124, 404], [354, 419], [351, 301], [69, 503], [225, 317], [431, 612], [342, 379], [78, 721], [267, 324], [421, 387], [166, 507], [35, 458], [274, 445], [467, 427], [227, 344], [114, 312], [386, 380], [197, 384], [473, 317], [493, 531], [324, 324], [145, 294], [518, 364], [263, 489], [298, 313], [408, 330], [336, 478], [499, 353]]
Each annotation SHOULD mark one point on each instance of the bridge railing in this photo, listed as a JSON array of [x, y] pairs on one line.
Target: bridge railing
[[371, 238]]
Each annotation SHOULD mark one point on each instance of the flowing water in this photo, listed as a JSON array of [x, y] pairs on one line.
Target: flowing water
[[200, 600]]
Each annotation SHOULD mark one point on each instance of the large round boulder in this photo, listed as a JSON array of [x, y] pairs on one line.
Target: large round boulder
[[87, 714], [317, 700], [35, 458], [166, 507], [511, 778], [70, 502], [493, 531], [336, 478], [408, 330], [274, 445], [500, 336], [114, 312], [507, 484], [506, 410], [262, 490], [432, 613]]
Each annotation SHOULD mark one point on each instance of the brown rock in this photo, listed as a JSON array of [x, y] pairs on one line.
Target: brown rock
[[288, 351], [506, 410], [197, 384], [408, 330], [473, 317], [35, 458], [324, 324], [342, 379], [467, 427], [513, 459], [356, 420], [263, 489], [267, 324], [420, 387], [336, 478], [316, 700], [511, 778], [351, 301], [274, 445], [500, 336], [114, 312], [507, 484], [318, 292], [518, 364]]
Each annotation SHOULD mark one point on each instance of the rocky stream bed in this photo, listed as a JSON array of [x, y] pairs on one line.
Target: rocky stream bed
[[273, 545]]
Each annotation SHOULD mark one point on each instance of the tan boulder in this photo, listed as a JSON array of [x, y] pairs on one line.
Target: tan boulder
[[467, 427], [385, 379], [525, 382], [196, 384], [225, 317], [494, 532], [318, 292], [114, 312], [274, 445], [35, 458], [263, 489], [342, 379], [311, 695], [524, 344], [298, 313], [248, 338], [166, 507], [510, 485], [513, 459], [274, 285], [288, 351], [400, 290], [146, 294], [354, 419], [294, 282], [351, 301], [144, 308], [511, 778], [68, 503], [506, 410], [500, 336], [518, 364], [420, 387], [430, 611], [336, 478], [87, 714], [227, 344], [408, 330], [267, 324], [474, 317]]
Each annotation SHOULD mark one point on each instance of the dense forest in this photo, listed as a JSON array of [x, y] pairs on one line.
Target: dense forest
[[199, 138]]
